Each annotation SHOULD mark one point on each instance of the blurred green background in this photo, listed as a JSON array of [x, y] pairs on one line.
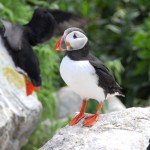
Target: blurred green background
[[119, 34]]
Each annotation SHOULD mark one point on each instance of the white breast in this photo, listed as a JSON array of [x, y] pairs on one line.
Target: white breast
[[81, 77]]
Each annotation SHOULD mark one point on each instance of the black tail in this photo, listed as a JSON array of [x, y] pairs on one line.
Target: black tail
[[121, 92]]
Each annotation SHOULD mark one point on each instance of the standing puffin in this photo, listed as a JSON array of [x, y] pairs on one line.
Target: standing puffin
[[19, 39], [84, 73]]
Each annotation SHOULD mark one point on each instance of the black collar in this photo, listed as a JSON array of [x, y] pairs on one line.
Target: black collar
[[81, 54]]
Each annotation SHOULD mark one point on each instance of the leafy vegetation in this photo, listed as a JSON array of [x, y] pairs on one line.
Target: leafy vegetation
[[119, 34]]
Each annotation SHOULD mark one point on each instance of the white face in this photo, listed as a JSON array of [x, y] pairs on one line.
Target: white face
[[75, 40]]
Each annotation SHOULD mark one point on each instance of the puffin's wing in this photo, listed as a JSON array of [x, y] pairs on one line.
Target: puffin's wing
[[105, 79], [41, 26], [46, 22], [13, 34], [66, 19]]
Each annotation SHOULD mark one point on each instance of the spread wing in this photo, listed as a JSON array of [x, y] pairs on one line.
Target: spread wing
[[66, 19], [43, 25], [39, 29], [105, 79], [47, 22]]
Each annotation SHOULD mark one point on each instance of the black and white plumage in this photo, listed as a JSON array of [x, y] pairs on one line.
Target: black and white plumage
[[19, 39], [80, 68], [18, 46], [83, 72]]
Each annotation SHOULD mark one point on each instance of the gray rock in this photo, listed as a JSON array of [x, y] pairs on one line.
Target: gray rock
[[113, 104], [19, 114], [120, 130], [69, 102]]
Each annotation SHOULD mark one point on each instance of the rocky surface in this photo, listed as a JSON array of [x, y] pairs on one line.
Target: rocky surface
[[127, 129], [19, 114], [113, 104], [69, 102]]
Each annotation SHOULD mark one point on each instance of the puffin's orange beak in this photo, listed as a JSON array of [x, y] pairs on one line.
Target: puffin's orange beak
[[58, 44]]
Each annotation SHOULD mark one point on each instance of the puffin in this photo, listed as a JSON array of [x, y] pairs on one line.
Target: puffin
[[19, 39], [85, 74]]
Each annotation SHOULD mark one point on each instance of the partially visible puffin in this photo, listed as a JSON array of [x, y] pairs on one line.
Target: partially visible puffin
[[19, 39], [84, 73]]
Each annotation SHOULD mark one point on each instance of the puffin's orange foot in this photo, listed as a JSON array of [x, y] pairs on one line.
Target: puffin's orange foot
[[90, 120], [29, 88], [76, 119]]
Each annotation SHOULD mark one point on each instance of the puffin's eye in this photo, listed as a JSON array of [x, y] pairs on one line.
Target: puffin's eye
[[74, 36]]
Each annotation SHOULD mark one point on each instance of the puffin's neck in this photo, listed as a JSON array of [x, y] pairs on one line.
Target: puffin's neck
[[80, 54]]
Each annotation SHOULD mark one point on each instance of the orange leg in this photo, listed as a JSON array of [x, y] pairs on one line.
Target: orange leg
[[29, 86], [90, 120], [78, 117]]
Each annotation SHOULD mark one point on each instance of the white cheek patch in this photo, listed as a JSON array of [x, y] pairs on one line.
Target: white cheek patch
[[78, 43]]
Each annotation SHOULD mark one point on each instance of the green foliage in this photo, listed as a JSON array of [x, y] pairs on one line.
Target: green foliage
[[15, 10], [119, 34], [141, 44]]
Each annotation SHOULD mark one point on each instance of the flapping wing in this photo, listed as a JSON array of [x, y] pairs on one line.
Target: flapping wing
[[41, 26], [66, 19], [47, 22]]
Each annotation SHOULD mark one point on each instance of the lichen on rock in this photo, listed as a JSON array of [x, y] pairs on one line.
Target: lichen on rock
[[19, 114], [14, 77]]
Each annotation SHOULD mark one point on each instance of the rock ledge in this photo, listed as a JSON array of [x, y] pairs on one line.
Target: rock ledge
[[19, 114], [123, 130]]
